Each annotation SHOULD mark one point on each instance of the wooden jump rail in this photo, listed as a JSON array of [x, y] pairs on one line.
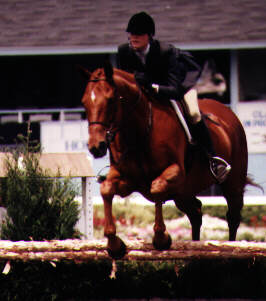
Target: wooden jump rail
[[85, 250]]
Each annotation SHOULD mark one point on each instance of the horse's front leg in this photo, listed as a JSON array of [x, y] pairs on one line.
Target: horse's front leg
[[169, 181], [161, 240], [115, 246]]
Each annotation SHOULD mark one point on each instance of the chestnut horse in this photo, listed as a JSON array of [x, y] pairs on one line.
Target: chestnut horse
[[149, 153]]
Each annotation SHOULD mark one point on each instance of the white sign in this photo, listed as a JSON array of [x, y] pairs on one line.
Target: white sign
[[68, 136], [253, 117]]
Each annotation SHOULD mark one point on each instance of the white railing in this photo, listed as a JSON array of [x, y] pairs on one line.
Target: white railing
[[41, 114], [249, 200]]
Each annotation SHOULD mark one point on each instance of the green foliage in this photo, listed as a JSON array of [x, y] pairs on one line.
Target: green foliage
[[38, 207], [142, 215], [226, 278], [139, 214], [205, 278], [171, 212], [249, 214], [215, 211]]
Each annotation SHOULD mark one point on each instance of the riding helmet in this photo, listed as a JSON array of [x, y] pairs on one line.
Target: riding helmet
[[141, 23]]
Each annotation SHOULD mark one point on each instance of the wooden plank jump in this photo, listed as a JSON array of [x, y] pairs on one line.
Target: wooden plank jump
[[85, 250]]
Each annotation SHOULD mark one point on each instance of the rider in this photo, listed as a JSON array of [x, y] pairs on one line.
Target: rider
[[157, 69]]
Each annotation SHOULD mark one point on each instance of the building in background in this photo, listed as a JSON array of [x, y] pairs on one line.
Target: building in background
[[42, 42]]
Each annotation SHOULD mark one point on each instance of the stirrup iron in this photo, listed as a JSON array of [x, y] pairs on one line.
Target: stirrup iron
[[222, 169]]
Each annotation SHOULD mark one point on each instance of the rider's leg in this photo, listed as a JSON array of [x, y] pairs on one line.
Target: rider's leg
[[192, 106], [219, 167]]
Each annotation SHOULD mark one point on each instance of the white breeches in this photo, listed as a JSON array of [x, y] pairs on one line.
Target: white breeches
[[192, 109], [192, 106]]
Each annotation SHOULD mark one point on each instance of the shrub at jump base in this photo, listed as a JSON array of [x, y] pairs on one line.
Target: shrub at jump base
[[69, 281], [38, 207]]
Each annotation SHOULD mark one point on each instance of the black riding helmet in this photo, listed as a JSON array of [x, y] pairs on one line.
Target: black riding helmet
[[141, 23]]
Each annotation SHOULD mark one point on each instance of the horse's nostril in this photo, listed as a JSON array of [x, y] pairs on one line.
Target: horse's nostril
[[99, 151], [103, 147], [94, 151]]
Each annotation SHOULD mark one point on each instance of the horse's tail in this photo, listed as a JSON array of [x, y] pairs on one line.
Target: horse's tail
[[250, 181]]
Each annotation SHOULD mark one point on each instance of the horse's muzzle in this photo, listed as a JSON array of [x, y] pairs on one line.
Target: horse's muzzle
[[99, 151]]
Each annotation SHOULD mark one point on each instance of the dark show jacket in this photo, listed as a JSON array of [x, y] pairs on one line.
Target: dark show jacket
[[162, 67]]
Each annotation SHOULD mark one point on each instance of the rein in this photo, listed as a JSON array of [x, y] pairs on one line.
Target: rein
[[95, 80]]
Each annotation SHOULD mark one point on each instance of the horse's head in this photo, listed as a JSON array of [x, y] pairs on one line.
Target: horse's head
[[98, 101], [210, 81]]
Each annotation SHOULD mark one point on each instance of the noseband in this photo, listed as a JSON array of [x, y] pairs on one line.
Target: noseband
[[99, 122]]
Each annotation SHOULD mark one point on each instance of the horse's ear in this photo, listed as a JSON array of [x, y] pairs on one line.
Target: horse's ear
[[83, 71], [108, 70]]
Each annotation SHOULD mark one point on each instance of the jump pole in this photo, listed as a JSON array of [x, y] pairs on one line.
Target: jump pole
[[86, 250]]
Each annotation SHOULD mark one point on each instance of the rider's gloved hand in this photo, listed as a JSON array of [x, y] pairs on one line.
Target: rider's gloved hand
[[143, 80]]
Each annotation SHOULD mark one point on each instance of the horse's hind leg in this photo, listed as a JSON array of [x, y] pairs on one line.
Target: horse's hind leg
[[192, 208], [161, 240], [235, 205]]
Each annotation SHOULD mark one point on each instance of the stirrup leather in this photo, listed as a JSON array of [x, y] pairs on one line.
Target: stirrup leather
[[219, 169], [182, 121]]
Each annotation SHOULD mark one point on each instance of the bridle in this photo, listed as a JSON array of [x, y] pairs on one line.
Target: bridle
[[112, 129], [95, 80]]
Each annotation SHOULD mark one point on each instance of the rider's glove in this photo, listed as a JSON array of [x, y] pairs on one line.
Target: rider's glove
[[143, 80]]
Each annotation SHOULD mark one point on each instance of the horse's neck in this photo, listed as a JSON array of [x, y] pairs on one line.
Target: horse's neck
[[134, 104], [143, 125], [134, 116]]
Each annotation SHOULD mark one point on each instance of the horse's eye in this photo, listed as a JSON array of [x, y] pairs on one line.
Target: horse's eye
[[217, 81]]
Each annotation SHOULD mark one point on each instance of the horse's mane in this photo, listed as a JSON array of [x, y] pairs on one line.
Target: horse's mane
[[123, 77], [98, 73], [126, 75]]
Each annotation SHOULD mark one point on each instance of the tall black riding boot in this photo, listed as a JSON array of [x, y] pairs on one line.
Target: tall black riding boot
[[218, 166]]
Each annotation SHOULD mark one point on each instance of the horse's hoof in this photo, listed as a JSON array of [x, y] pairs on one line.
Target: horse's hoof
[[116, 248], [162, 243]]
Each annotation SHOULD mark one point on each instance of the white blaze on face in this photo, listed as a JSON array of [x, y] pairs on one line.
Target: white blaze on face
[[93, 97]]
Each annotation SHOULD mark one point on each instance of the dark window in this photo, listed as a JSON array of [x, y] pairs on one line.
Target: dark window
[[46, 81], [215, 80], [252, 75]]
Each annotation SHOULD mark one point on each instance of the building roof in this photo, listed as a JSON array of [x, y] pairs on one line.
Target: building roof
[[96, 25]]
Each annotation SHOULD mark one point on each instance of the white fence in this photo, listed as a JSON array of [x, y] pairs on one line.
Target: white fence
[[206, 200], [40, 114]]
